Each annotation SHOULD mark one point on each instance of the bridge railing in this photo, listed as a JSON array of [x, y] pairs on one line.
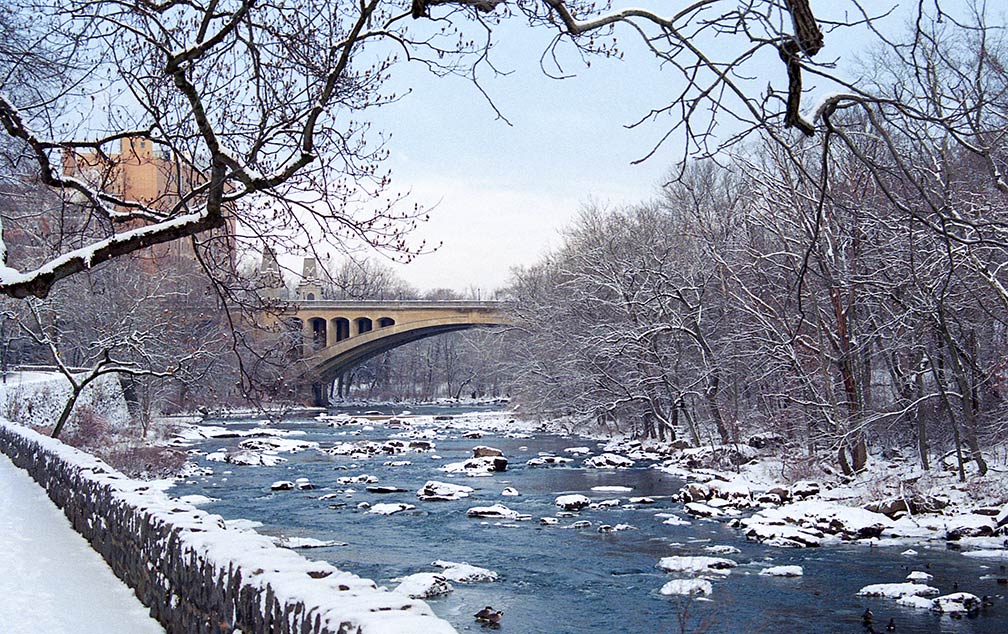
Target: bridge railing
[[405, 304]]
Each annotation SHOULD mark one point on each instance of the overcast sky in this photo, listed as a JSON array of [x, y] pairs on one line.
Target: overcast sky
[[500, 194]]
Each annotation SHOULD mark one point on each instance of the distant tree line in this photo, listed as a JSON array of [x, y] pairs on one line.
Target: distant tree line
[[843, 295]]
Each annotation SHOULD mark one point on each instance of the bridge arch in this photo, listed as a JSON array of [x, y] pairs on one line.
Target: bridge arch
[[345, 334], [362, 325], [328, 364]]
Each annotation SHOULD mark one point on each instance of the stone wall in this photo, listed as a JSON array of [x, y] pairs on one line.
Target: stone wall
[[196, 575]]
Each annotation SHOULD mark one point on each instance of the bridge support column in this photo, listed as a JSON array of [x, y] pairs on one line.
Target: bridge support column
[[320, 395], [312, 393]]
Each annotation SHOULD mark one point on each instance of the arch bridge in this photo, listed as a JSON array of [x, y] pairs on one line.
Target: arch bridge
[[337, 335]]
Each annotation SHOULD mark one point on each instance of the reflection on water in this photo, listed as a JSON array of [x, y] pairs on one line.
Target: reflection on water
[[556, 580]]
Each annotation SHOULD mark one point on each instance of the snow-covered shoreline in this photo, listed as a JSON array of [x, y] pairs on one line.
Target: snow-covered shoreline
[[876, 507], [184, 556]]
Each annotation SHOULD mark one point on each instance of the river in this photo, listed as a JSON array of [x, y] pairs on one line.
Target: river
[[557, 580]]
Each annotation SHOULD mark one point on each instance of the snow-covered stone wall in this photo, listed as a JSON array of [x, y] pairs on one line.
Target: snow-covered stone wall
[[196, 575]]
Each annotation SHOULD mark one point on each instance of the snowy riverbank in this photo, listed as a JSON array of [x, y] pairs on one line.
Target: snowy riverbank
[[186, 563], [390, 494]]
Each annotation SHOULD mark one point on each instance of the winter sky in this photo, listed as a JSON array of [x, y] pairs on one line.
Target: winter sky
[[501, 194]]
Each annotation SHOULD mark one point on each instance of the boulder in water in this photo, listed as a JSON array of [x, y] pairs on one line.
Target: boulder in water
[[572, 502]]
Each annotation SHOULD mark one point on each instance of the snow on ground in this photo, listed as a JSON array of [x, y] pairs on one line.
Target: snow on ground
[[52, 580], [37, 398]]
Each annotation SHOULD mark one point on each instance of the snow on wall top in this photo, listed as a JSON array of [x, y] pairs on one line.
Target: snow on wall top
[[336, 596]]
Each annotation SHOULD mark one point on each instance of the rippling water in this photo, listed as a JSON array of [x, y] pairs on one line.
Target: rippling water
[[556, 580]]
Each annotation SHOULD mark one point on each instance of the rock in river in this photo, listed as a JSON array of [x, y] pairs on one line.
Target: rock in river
[[486, 452], [434, 491], [697, 565], [462, 572], [478, 466], [609, 461], [424, 585], [572, 502], [496, 511], [390, 508], [686, 587]]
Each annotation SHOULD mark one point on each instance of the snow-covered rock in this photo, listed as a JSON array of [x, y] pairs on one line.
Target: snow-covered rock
[[277, 444], [609, 461], [424, 585], [572, 502], [606, 528], [304, 484], [434, 491], [547, 461], [697, 509], [696, 565], [687, 587], [675, 520], [477, 466], [722, 549], [805, 523], [605, 504], [359, 479], [783, 571], [305, 542], [956, 603], [390, 508], [482, 451], [804, 489], [510, 492], [897, 590], [578, 451], [970, 525], [384, 490], [462, 572], [496, 511], [613, 489], [197, 500], [282, 485], [192, 470], [919, 577], [549, 521], [245, 457]]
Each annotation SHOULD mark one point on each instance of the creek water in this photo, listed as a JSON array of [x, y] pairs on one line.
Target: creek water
[[556, 580]]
